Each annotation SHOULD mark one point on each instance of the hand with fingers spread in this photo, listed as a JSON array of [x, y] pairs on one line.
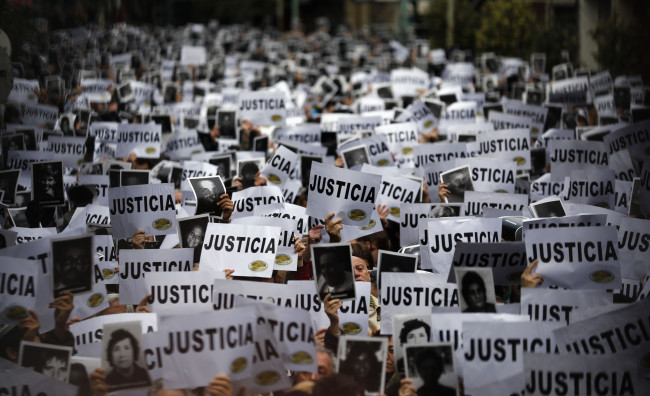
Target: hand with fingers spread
[[383, 213], [227, 206], [443, 191], [528, 279], [332, 306], [333, 227]]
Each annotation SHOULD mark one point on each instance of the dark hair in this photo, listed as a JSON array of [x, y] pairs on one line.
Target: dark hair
[[46, 354], [361, 251], [428, 354], [470, 278], [117, 336], [411, 325], [337, 384]]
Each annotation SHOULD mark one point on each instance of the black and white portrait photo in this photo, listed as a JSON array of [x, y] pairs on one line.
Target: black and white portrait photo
[[355, 156], [247, 169], [333, 270], [47, 359], [47, 183], [223, 163], [444, 210], [122, 356], [66, 124], [431, 369], [176, 177], [8, 184], [226, 121], [12, 142], [548, 208], [29, 137], [476, 290], [261, 143], [208, 191], [409, 329], [364, 359], [388, 261], [72, 264], [133, 177], [458, 180], [191, 231]]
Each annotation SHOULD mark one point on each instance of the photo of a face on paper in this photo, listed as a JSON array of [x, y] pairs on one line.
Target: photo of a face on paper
[[122, 357], [72, 264], [191, 232], [458, 180], [548, 208], [208, 191], [355, 156], [364, 359], [431, 369], [476, 290], [47, 359], [333, 270], [47, 183]]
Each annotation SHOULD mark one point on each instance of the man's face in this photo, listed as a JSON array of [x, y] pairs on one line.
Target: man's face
[[207, 189], [56, 368], [194, 237], [48, 182], [417, 336], [324, 366], [332, 271], [74, 263], [475, 296], [361, 273]]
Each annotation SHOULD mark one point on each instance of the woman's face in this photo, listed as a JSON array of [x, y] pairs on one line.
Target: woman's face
[[122, 354], [56, 368], [417, 336]]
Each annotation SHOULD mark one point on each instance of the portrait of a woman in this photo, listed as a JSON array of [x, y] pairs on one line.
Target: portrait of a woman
[[122, 355]]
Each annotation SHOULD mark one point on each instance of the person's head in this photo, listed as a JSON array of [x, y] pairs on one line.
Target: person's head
[[362, 358], [474, 291], [325, 360], [48, 178], [337, 384], [194, 237], [362, 251], [249, 170], [10, 337], [414, 331], [361, 273], [375, 242], [459, 182], [54, 364], [122, 350], [441, 211], [429, 365], [207, 190], [332, 269], [74, 262]]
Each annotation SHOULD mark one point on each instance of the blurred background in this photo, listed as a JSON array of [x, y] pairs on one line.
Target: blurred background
[[598, 34]]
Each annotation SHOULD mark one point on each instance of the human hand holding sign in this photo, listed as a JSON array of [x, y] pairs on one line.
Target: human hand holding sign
[[528, 279], [332, 306], [333, 227]]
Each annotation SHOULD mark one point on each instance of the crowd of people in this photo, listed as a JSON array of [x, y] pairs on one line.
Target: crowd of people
[[321, 74]]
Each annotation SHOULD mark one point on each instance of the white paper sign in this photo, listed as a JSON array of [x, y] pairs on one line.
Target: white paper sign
[[264, 108], [142, 139], [634, 247], [491, 175], [588, 259], [91, 330], [249, 250], [410, 217], [476, 201], [18, 288], [148, 207], [180, 292], [246, 201], [408, 82], [552, 305], [509, 145], [280, 167], [135, 263], [349, 194]]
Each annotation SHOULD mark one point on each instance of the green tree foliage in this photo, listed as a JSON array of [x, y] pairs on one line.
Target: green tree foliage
[[622, 47], [466, 20], [506, 27]]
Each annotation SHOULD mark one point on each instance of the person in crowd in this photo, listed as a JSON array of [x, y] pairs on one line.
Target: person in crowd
[[122, 354]]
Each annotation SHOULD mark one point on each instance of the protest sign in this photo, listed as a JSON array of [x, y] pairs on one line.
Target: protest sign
[[22, 160], [592, 187], [552, 305], [459, 113], [349, 125], [17, 380], [91, 330], [566, 156], [263, 107], [413, 293], [364, 360], [148, 207], [536, 114], [18, 287], [633, 246], [302, 133], [425, 154], [510, 121], [249, 250], [72, 264], [585, 220], [70, 150], [548, 374], [507, 260], [349, 194], [39, 114], [575, 91], [180, 292], [408, 82], [491, 175], [100, 183], [443, 234], [635, 138], [286, 259], [183, 145], [509, 144], [495, 350], [145, 140], [247, 200], [221, 342], [395, 191], [585, 260], [476, 201], [135, 263], [410, 217], [281, 167], [193, 55], [25, 235]]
